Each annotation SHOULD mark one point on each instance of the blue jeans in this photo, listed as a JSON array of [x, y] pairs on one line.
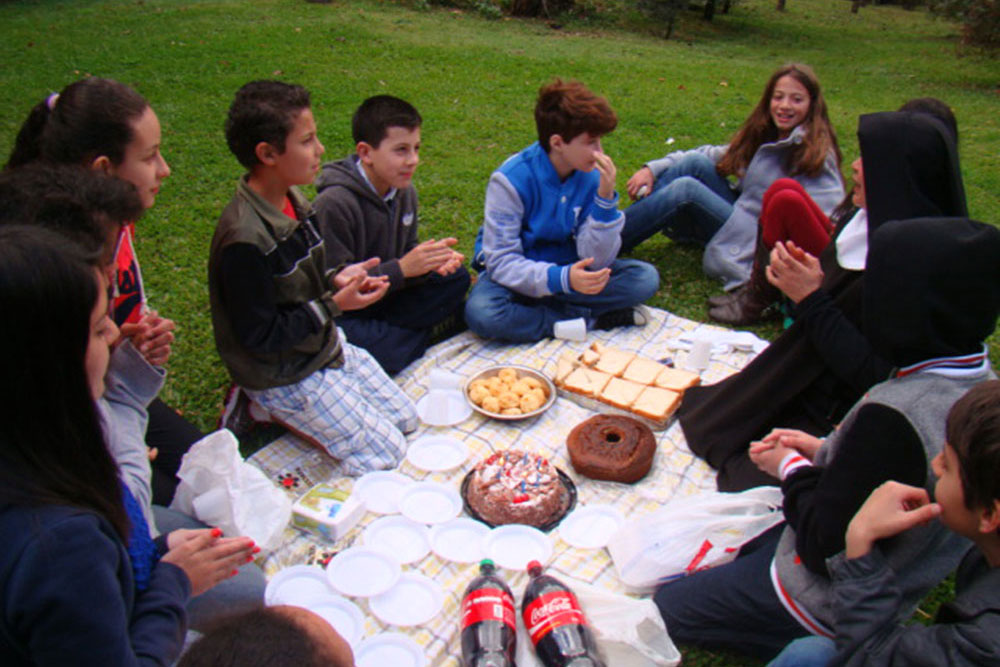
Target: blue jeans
[[237, 594], [689, 203], [493, 311], [397, 329], [731, 606], [806, 652]]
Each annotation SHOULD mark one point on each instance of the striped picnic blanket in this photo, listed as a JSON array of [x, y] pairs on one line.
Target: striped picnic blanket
[[296, 466]]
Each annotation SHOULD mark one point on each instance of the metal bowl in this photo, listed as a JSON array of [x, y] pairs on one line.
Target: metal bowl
[[522, 371]]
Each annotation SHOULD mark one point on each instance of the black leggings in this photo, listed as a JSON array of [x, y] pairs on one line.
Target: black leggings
[[172, 435]]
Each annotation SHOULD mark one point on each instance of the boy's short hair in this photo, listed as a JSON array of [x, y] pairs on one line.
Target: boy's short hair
[[263, 111], [569, 108], [973, 431], [257, 638], [372, 120]]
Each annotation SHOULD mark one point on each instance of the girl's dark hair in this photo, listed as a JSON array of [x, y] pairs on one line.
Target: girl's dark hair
[[52, 451], [86, 205], [87, 119], [973, 430], [759, 128]]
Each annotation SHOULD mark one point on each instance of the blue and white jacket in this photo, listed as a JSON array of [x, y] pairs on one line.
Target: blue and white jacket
[[536, 226]]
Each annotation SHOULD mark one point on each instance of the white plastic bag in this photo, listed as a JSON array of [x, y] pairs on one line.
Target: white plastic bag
[[220, 489], [691, 534], [628, 631]]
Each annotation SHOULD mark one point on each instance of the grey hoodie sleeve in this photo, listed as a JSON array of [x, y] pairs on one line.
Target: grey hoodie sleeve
[[867, 605], [130, 385], [714, 153]]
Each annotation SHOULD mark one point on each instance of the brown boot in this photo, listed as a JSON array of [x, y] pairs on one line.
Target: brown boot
[[752, 304], [728, 297]]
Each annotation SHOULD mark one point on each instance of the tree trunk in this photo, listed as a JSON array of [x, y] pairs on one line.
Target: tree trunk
[[709, 10], [781, 5]]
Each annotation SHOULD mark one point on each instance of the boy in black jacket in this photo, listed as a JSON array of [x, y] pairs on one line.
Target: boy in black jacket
[[274, 301], [367, 212]]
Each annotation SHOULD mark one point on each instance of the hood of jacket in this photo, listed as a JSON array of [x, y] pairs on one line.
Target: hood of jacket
[[911, 168], [931, 288], [345, 174]]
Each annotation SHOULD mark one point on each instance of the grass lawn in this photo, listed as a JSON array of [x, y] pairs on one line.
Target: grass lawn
[[474, 81]]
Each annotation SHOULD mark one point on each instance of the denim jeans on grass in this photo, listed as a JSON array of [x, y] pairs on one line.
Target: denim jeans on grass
[[689, 203], [493, 311], [731, 606], [237, 594], [806, 652]]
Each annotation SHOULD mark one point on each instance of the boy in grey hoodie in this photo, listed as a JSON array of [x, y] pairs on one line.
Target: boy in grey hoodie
[[367, 212]]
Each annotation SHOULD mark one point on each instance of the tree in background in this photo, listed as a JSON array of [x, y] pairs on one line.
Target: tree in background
[[980, 19]]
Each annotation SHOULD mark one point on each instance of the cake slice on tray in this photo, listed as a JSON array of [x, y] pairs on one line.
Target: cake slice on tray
[[621, 393], [676, 380], [655, 403], [586, 381]]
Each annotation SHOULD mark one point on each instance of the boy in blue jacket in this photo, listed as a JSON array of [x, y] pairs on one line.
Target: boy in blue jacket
[[552, 231]]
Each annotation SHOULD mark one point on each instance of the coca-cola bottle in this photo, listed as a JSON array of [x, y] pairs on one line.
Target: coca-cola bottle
[[556, 624], [489, 630]]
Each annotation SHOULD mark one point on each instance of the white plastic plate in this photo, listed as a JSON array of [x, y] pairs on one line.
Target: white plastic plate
[[437, 453], [430, 502], [459, 540], [405, 539], [443, 407], [516, 545], [342, 614], [294, 584], [380, 490], [362, 572], [389, 648], [591, 526], [415, 599]]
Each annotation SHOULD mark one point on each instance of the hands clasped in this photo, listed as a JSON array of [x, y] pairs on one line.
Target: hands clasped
[[768, 452], [206, 556]]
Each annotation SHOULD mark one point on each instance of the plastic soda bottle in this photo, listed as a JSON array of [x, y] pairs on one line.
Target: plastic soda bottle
[[556, 624], [489, 629]]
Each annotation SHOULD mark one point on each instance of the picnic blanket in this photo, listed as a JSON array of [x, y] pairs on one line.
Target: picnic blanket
[[296, 466]]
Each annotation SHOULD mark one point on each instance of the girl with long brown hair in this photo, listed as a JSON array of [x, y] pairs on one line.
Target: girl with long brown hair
[[688, 195]]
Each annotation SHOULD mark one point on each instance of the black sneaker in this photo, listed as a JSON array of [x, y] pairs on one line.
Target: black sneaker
[[637, 316]]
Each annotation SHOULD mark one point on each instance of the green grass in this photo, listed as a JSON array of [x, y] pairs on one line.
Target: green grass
[[474, 82]]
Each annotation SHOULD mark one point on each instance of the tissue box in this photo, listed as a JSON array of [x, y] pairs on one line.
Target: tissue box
[[327, 511]]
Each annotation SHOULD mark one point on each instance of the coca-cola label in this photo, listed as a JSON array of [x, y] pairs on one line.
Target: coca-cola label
[[549, 611], [488, 604]]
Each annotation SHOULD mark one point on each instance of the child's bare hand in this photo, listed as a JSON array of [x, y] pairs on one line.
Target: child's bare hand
[[361, 292], [767, 456], [890, 509], [643, 177], [794, 271], [152, 336], [585, 281], [359, 269], [451, 266], [794, 439], [206, 557], [606, 166], [426, 257]]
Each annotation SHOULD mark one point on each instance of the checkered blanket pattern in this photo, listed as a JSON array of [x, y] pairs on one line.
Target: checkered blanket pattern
[[296, 466]]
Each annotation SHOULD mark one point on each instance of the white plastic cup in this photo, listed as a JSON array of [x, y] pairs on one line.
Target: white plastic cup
[[575, 329], [442, 379], [699, 356]]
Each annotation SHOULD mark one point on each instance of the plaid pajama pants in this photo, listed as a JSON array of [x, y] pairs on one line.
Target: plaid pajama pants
[[356, 412]]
